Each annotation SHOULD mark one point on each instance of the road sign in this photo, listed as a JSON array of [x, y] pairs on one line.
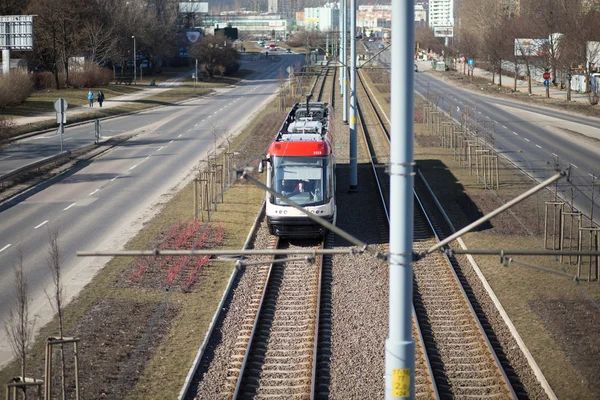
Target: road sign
[[546, 75], [61, 105], [546, 83]]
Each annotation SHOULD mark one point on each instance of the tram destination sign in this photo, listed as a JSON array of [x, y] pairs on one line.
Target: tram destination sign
[[16, 32]]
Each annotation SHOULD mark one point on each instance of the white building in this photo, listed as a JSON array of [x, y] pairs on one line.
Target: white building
[[420, 13], [272, 6], [324, 18], [441, 13]]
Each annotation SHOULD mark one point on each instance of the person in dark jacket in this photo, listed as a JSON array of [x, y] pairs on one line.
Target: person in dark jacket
[[100, 97]]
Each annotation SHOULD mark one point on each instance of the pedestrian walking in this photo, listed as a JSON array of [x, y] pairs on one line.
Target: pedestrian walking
[[100, 97], [91, 98]]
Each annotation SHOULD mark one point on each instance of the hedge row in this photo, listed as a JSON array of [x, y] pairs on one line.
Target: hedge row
[[17, 86]]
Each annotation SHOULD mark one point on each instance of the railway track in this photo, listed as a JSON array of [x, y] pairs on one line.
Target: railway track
[[276, 350], [461, 357]]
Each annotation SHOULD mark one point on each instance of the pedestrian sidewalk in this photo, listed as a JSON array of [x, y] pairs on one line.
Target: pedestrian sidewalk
[[108, 102], [508, 81]]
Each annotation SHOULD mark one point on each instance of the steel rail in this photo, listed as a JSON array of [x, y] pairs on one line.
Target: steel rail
[[384, 205], [460, 286], [255, 326]]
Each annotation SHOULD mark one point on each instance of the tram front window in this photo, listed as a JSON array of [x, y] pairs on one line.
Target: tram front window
[[300, 179]]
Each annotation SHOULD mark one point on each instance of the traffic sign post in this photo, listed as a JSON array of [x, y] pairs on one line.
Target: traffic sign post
[[546, 77], [61, 105]]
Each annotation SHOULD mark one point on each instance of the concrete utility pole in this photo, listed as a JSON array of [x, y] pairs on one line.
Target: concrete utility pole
[[353, 109], [340, 50], [400, 346], [134, 63], [345, 60], [5, 62]]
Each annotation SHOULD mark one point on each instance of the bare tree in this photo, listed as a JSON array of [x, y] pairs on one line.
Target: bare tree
[[19, 326], [54, 261], [101, 40], [214, 51]]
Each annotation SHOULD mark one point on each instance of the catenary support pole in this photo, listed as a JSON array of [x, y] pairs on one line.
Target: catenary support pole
[[134, 62], [5, 62], [340, 52], [353, 110], [400, 346], [345, 61]]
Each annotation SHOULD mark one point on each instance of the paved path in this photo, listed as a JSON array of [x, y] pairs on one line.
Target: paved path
[[508, 81], [108, 103]]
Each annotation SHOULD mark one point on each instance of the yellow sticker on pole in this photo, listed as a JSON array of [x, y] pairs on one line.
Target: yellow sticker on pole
[[353, 120], [401, 382]]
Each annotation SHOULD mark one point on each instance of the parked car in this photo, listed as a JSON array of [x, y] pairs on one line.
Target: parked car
[[288, 50], [381, 46]]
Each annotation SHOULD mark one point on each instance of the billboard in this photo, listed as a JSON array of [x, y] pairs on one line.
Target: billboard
[[193, 7], [16, 32], [531, 47], [443, 31]]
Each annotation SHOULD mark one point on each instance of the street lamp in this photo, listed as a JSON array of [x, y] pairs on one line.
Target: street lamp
[[134, 66]]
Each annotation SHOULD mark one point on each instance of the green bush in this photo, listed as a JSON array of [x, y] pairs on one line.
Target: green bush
[[15, 88]]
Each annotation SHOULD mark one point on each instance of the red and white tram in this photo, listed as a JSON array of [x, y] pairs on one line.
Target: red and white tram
[[301, 167]]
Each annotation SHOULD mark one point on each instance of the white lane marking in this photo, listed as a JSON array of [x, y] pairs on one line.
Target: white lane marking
[[160, 149], [555, 155], [516, 133], [504, 126], [592, 176], [149, 156], [67, 139], [527, 139], [195, 126], [115, 178], [65, 209], [204, 120], [133, 167], [94, 192], [180, 135], [171, 141], [5, 247], [215, 112], [42, 224], [578, 168], [538, 146], [6, 157]]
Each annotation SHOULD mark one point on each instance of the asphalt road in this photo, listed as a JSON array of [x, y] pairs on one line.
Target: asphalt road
[[100, 205], [531, 137]]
